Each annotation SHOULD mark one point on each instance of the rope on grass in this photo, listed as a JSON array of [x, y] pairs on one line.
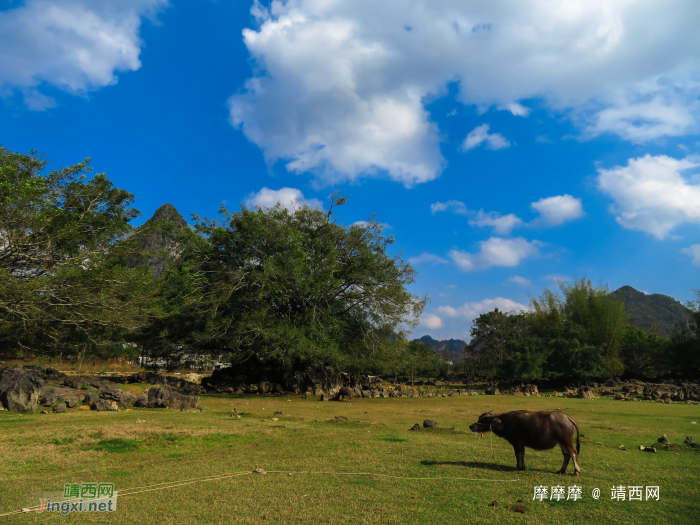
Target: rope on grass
[[172, 484]]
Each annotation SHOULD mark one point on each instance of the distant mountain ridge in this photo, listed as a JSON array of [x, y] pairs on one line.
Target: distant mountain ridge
[[452, 348], [656, 313]]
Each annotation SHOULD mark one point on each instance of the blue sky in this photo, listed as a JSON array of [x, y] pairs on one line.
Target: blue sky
[[504, 145]]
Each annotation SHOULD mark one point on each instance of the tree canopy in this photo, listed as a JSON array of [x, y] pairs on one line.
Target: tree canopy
[[287, 287], [61, 283]]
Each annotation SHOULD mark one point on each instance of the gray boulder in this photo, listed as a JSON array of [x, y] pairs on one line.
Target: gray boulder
[[72, 402], [47, 397], [430, 423], [141, 402], [102, 405], [20, 389], [165, 397], [664, 439], [59, 408], [91, 398]]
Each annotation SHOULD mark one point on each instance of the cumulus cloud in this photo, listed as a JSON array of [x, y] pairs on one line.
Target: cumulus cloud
[[432, 321], [651, 193], [472, 310], [521, 281], [427, 257], [694, 252], [557, 210], [480, 135], [289, 198], [74, 45], [553, 212], [339, 86], [496, 251], [501, 224], [453, 206]]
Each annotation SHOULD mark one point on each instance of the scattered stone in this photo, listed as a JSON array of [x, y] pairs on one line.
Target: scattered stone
[[44, 412], [165, 397], [430, 423], [59, 409], [341, 418], [415, 427], [688, 440], [278, 413], [518, 508], [101, 405], [48, 397], [114, 407], [664, 439], [90, 398]]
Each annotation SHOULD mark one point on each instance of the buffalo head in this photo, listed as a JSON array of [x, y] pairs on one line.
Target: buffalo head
[[485, 423]]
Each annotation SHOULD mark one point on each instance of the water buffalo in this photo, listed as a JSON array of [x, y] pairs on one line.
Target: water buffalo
[[345, 391], [536, 430]]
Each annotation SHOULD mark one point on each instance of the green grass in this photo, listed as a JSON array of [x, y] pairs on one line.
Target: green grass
[[40, 453]]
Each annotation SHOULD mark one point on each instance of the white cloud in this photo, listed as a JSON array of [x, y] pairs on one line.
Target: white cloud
[[480, 135], [432, 321], [651, 195], [694, 252], [516, 109], [557, 210], [339, 86], [287, 197], [74, 45], [556, 277], [496, 251], [427, 257], [521, 281], [502, 224], [472, 310], [453, 206]]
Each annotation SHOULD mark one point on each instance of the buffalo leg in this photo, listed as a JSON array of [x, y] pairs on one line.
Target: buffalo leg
[[566, 462], [519, 457], [571, 451]]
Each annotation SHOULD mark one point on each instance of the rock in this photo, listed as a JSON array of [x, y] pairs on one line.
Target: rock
[[141, 402], [325, 397], [278, 413], [101, 405], [165, 397], [48, 397], [341, 418], [667, 400], [90, 398], [588, 394], [492, 391], [664, 439], [649, 449], [72, 402], [493, 504], [430, 423], [415, 427], [688, 440], [518, 508], [113, 406], [110, 392], [44, 412], [20, 389]]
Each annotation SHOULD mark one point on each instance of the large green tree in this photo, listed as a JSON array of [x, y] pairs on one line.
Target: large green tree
[[287, 287], [62, 286]]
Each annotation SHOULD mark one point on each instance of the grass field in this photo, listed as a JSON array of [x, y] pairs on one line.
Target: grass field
[[446, 475]]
